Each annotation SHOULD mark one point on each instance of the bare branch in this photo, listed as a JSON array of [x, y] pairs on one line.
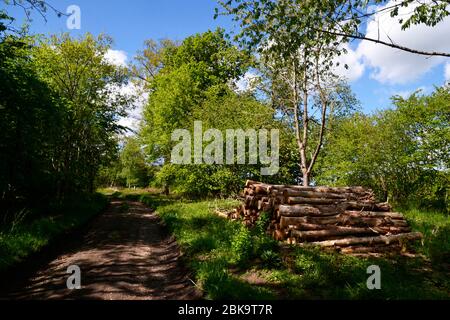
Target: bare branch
[[392, 45]]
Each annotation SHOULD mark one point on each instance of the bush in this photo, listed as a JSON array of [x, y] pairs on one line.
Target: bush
[[241, 245]]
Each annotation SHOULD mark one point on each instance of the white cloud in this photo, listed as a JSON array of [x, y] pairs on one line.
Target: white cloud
[[355, 66], [134, 116], [447, 71], [246, 82], [395, 66], [117, 57]]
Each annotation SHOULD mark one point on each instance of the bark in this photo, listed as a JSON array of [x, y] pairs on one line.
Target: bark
[[314, 194], [322, 234], [370, 240], [298, 210], [301, 200], [286, 222], [261, 190], [374, 214], [342, 220], [368, 205], [357, 190], [371, 222]]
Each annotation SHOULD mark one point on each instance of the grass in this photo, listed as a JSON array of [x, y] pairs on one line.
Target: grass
[[209, 245], [126, 193], [17, 243], [228, 261], [435, 227]]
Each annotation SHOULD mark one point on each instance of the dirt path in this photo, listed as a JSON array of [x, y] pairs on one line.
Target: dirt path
[[125, 254]]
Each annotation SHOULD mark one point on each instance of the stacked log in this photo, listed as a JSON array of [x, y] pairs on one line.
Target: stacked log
[[347, 218]]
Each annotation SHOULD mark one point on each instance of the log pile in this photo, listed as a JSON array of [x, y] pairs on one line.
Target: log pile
[[348, 219]]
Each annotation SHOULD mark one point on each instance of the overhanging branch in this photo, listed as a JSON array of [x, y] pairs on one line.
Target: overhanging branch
[[388, 44]]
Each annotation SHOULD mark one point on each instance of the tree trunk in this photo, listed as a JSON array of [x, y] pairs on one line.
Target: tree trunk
[[298, 210], [301, 200], [305, 179], [370, 240], [323, 234]]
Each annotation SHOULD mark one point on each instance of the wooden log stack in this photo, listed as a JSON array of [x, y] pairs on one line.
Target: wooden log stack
[[348, 219]]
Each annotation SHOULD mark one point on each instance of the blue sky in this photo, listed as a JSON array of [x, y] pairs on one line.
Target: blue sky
[[376, 72]]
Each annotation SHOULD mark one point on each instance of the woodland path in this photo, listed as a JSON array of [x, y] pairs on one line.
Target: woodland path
[[125, 254]]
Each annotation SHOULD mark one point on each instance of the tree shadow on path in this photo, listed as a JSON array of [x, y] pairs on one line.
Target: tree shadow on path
[[126, 254]]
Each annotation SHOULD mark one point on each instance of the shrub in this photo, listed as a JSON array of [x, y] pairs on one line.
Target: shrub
[[241, 245]]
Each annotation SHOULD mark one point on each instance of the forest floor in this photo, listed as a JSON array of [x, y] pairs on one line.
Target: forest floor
[[229, 261], [125, 254], [130, 252]]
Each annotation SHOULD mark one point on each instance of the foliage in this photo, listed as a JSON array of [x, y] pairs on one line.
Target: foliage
[[207, 241], [435, 227], [27, 238], [58, 114], [193, 83], [30, 114], [401, 153], [241, 245], [128, 168], [78, 71], [190, 69], [60, 100], [332, 22], [135, 170]]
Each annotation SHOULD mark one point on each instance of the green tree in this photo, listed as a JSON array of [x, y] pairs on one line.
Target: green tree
[[299, 69], [195, 82], [330, 21], [90, 85], [134, 168], [401, 153], [187, 71], [30, 116]]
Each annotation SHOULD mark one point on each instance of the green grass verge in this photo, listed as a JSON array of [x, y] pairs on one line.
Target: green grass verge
[[435, 227], [28, 238], [229, 261]]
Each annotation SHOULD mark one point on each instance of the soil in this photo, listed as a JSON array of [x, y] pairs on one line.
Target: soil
[[125, 254]]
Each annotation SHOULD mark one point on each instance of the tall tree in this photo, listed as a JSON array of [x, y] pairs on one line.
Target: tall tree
[[305, 90], [135, 170], [90, 85], [300, 69], [332, 20], [402, 153], [185, 73], [195, 82], [30, 117]]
